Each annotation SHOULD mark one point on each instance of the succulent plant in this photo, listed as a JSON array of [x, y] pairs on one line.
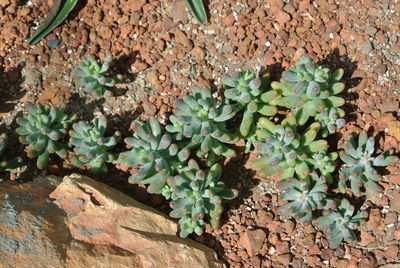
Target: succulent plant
[[360, 162], [199, 122], [93, 77], [305, 195], [42, 130], [91, 147], [281, 149], [339, 223], [309, 89], [331, 120], [247, 89], [324, 162], [10, 164], [197, 197], [155, 152]]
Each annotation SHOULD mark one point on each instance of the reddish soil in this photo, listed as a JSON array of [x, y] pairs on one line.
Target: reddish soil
[[161, 52]]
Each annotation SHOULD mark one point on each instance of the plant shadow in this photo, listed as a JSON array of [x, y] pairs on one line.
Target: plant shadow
[[235, 175], [83, 107], [207, 9], [122, 65], [79, 6]]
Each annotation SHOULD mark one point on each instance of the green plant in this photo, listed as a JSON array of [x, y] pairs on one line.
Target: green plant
[[91, 147], [338, 224], [199, 122], [359, 170], [309, 89], [281, 149], [43, 130], [197, 8], [247, 89], [58, 13], [324, 162], [155, 152], [331, 120], [93, 77], [305, 195], [197, 197], [10, 164]]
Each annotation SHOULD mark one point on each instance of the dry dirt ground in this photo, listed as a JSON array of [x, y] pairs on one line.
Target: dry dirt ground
[[161, 51]]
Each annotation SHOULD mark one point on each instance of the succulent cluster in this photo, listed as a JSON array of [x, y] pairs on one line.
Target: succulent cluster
[[309, 90], [155, 152], [93, 77], [198, 123], [161, 158], [282, 149], [43, 130], [197, 195], [339, 221], [6, 165], [91, 148], [294, 148], [359, 170], [247, 89]]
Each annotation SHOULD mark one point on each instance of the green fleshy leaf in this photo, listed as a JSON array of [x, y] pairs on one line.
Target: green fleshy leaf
[[58, 13], [197, 8]]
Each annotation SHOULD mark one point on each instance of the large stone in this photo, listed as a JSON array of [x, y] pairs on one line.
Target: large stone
[[100, 215], [32, 228], [88, 224], [394, 129]]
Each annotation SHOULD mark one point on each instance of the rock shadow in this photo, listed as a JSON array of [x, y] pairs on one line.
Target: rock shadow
[[10, 90]]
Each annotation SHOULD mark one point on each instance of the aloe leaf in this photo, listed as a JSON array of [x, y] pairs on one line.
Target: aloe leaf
[[198, 10], [58, 13]]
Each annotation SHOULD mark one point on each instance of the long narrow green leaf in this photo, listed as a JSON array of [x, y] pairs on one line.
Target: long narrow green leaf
[[58, 13], [198, 10]]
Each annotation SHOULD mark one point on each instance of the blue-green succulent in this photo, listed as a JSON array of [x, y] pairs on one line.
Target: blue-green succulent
[[155, 152], [91, 148], [7, 165], [338, 224], [92, 77], [282, 149], [248, 90], [360, 161], [309, 89], [198, 123], [324, 162], [43, 130], [305, 196], [331, 120], [197, 197]]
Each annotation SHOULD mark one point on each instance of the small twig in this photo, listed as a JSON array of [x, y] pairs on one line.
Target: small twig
[[370, 248]]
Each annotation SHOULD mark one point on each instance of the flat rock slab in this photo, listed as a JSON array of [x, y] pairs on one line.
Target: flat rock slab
[[88, 224]]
